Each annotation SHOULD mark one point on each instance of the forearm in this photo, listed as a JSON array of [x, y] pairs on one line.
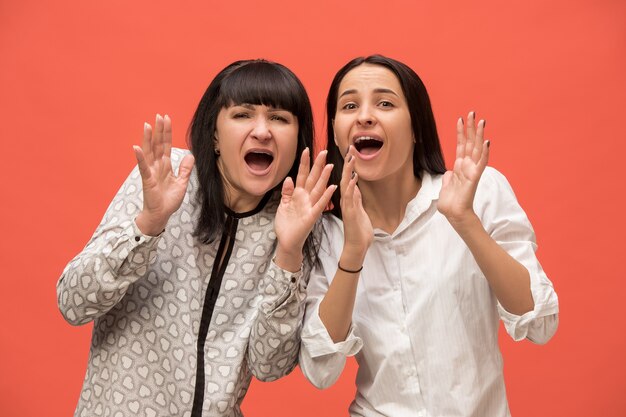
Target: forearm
[[275, 331], [338, 304], [96, 279], [508, 279]]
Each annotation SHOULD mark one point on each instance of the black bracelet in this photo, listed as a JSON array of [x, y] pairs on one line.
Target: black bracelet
[[349, 271]]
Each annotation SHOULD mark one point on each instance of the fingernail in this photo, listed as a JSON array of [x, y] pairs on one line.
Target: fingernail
[[352, 175], [473, 115], [146, 125], [488, 143], [484, 123], [462, 122], [350, 158]]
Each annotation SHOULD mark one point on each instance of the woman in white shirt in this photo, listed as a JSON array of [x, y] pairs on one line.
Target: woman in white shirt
[[415, 278]]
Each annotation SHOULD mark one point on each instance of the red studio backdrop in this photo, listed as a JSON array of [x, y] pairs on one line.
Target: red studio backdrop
[[79, 78]]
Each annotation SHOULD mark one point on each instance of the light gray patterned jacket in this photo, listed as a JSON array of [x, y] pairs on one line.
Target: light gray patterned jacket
[[151, 297]]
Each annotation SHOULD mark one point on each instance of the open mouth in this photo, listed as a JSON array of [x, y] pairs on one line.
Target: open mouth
[[259, 161], [367, 145]]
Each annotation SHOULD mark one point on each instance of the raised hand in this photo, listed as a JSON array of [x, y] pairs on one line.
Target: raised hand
[[300, 207], [358, 230], [459, 185], [163, 192]]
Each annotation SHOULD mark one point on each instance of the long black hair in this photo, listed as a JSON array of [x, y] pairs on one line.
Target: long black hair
[[427, 155], [257, 82]]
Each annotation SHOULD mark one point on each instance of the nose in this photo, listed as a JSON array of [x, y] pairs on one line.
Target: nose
[[261, 130], [365, 116]]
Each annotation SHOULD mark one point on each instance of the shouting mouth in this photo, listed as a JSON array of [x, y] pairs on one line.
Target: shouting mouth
[[368, 145], [259, 161]]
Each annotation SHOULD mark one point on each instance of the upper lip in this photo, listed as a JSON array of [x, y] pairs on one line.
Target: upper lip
[[365, 135], [368, 135], [260, 150]]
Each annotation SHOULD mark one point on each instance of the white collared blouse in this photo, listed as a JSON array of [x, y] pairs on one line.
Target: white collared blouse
[[425, 322]]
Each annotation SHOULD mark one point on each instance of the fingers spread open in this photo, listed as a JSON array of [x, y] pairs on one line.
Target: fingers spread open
[[460, 138], [303, 169], [348, 169], [287, 190], [157, 138], [320, 185], [484, 157], [347, 197], [185, 167], [144, 170], [324, 200], [316, 171], [471, 133], [146, 143], [167, 136], [478, 142]]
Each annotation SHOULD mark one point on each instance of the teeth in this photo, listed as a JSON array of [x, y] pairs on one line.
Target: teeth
[[362, 138]]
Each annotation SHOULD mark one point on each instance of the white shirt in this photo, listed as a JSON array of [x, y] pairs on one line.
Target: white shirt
[[425, 322]]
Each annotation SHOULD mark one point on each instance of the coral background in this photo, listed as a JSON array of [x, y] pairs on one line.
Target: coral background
[[79, 78]]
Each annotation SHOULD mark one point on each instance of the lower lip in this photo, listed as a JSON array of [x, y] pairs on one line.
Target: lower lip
[[256, 172]]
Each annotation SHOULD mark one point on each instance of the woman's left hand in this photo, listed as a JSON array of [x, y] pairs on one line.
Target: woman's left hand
[[300, 207], [456, 198]]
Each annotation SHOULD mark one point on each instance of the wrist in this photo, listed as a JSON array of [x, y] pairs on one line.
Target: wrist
[[466, 223], [351, 259], [289, 260], [148, 225]]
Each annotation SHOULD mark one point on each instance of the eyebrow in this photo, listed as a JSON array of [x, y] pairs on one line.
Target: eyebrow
[[252, 106], [376, 90]]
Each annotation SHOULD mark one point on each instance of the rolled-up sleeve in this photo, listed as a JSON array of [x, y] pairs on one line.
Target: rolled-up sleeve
[[507, 223]]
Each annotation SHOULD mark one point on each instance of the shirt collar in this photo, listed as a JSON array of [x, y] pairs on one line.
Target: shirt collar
[[423, 200]]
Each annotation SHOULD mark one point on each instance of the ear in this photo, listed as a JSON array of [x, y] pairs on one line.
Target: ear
[[216, 145]]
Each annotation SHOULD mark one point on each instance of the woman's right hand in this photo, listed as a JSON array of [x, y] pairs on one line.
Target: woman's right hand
[[357, 227], [163, 192]]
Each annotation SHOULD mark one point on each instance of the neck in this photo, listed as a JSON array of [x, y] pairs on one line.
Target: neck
[[385, 200], [240, 203]]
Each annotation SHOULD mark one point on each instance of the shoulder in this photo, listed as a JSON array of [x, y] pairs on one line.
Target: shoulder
[[493, 182]]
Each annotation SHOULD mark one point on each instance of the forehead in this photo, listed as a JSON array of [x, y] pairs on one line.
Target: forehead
[[367, 78]]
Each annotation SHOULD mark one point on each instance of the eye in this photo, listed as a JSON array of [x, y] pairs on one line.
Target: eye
[[279, 118], [386, 103], [241, 115], [348, 106]]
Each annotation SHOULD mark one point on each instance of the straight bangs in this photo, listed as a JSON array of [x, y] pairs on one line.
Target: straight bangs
[[262, 83]]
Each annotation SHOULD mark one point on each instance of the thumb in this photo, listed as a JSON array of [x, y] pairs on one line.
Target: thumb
[[287, 190], [184, 170], [446, 179]]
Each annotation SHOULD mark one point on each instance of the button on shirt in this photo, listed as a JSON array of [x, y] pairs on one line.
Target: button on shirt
[[425, 322]]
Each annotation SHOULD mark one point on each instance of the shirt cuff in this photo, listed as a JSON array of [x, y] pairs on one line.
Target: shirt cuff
[[283, 277], [318, 341], [518, 327], [133, 246]]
